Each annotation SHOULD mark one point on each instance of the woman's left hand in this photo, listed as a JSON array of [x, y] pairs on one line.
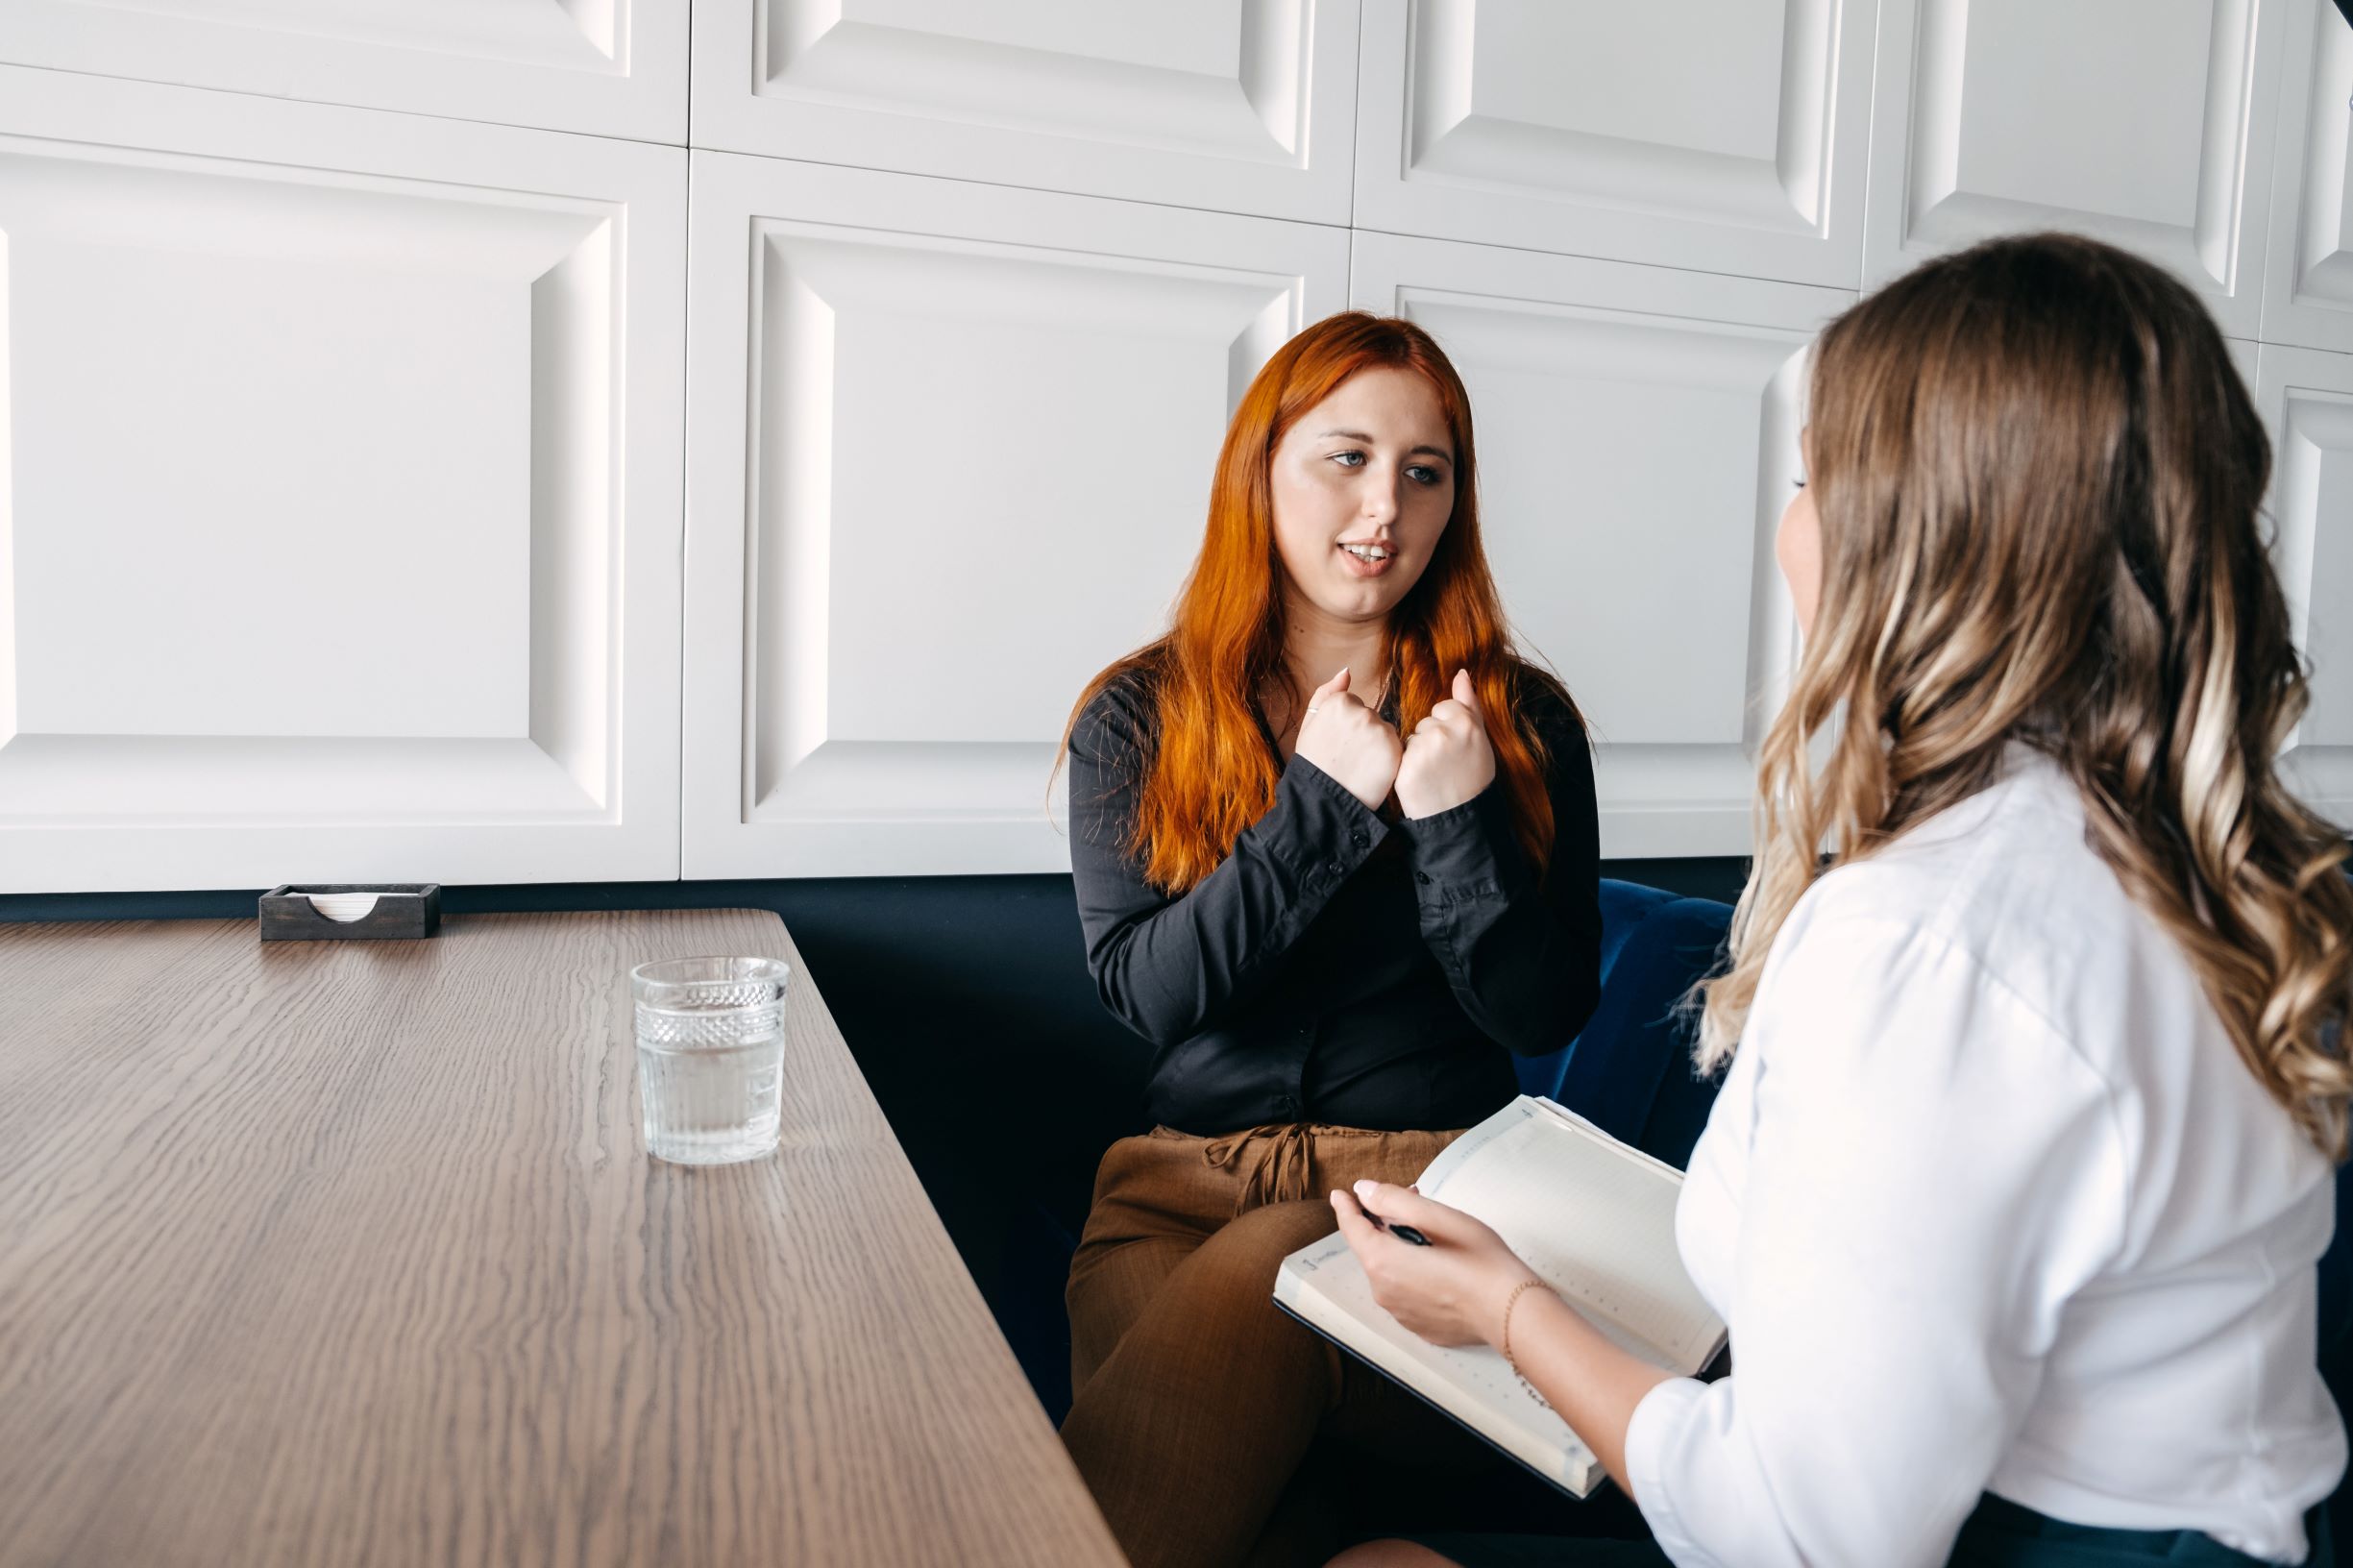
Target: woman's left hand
[[1452, 1291], [1448, 758]]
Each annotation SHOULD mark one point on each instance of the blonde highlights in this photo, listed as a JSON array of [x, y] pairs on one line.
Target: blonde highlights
[[2037, 475]]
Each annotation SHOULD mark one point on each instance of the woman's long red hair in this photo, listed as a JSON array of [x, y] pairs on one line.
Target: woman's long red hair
[[1211, 774]]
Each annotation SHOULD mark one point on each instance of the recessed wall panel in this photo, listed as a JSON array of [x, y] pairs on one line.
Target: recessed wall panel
[[1729, 138], [2307, 398], [2146, 123], [174, 468], [613, 67], [2308, 287], [1240, 106], [952, 454], [325, 560], [1637, 439]]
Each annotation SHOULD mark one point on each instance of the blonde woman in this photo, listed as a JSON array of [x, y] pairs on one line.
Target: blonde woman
[[2014, 1189]]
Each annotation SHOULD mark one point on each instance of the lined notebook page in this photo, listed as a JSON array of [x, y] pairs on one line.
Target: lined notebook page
[[1593, 1217]]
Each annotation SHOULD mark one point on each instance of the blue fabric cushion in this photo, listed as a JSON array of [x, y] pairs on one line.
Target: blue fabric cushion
[[1629, 1071]]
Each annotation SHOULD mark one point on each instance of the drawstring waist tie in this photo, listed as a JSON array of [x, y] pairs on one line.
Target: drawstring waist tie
[[1285, 1168]]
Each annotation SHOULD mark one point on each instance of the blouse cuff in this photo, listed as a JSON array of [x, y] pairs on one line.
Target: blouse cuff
[[1325, 832], [1659, 1418], [1465, 851]]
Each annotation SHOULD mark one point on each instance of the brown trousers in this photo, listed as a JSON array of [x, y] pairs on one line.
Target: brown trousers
[[1195, 1397]]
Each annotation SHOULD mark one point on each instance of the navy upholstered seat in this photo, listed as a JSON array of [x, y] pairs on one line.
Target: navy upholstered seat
[[1629, 1069]]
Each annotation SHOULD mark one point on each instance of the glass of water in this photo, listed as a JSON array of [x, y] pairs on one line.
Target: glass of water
[[710, 1056]]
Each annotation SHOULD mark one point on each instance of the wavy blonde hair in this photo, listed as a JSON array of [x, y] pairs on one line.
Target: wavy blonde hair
[[2037, 475]]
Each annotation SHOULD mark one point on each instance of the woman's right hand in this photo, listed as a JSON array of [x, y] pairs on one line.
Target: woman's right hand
[[1349, 741]]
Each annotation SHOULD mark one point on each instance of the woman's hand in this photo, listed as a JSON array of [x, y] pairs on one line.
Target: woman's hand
[[1452, 1291], [1349, 741], [1448, 759]]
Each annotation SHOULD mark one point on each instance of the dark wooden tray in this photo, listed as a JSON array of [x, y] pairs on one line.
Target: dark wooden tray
[[405, 910]]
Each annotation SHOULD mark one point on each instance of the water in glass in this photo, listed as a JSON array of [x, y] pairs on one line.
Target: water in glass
[[710, 1055]]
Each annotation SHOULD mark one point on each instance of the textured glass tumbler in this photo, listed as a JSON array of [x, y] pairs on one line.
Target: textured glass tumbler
[[710, 1056]]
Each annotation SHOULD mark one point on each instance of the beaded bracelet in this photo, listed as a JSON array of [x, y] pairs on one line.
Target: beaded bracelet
[[1510, 1300]]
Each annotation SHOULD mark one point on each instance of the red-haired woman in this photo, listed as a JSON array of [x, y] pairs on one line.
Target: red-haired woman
[[1334, 853]]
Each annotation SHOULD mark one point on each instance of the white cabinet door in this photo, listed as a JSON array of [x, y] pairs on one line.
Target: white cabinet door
[[1637, 442], [2308, 274], [2146, 123], [319, 557], [1242, 105], [951, 453], [2307, 400], [1727, 135], [615, 67]]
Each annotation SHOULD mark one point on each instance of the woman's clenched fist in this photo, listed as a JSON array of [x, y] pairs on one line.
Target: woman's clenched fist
[[1349, 741], [1448, 759]]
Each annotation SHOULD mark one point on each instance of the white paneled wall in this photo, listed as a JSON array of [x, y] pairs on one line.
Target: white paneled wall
[[2307, 399], [1724, 137], [384, 494], [2308, 275], [1237, 106], [1637, 441], [342, 496], [949, 447], [2148, 123], [611, 68]]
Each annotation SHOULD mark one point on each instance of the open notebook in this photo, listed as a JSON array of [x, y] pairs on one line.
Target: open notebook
[[1592, 1216]]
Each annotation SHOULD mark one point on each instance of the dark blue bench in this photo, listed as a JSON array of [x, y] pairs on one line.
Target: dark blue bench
[[1630, 1072]]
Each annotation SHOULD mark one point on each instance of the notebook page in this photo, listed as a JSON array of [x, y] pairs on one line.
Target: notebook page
[[1523, 1423], [1594, 1219]]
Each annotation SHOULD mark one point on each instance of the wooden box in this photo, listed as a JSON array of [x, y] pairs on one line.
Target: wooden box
[[403, 910]]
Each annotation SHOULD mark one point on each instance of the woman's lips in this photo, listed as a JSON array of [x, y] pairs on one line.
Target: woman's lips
[[1356, 566]]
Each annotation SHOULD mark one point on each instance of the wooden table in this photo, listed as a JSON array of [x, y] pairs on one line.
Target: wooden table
[[350, 1253]]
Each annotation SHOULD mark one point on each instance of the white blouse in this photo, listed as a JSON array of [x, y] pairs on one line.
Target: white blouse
[[1991, 1204]]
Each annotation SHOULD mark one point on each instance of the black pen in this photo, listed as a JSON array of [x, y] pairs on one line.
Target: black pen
[[1403, 1232]]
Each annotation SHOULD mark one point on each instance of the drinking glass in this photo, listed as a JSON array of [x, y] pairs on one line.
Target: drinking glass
[[710, 1056]]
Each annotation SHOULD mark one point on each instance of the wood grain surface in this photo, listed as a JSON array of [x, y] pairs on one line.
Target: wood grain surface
[[350, 1253]]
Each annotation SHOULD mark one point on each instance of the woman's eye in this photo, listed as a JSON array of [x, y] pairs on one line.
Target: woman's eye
[[1349, 459], [1424, 473], [1796, 485]]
